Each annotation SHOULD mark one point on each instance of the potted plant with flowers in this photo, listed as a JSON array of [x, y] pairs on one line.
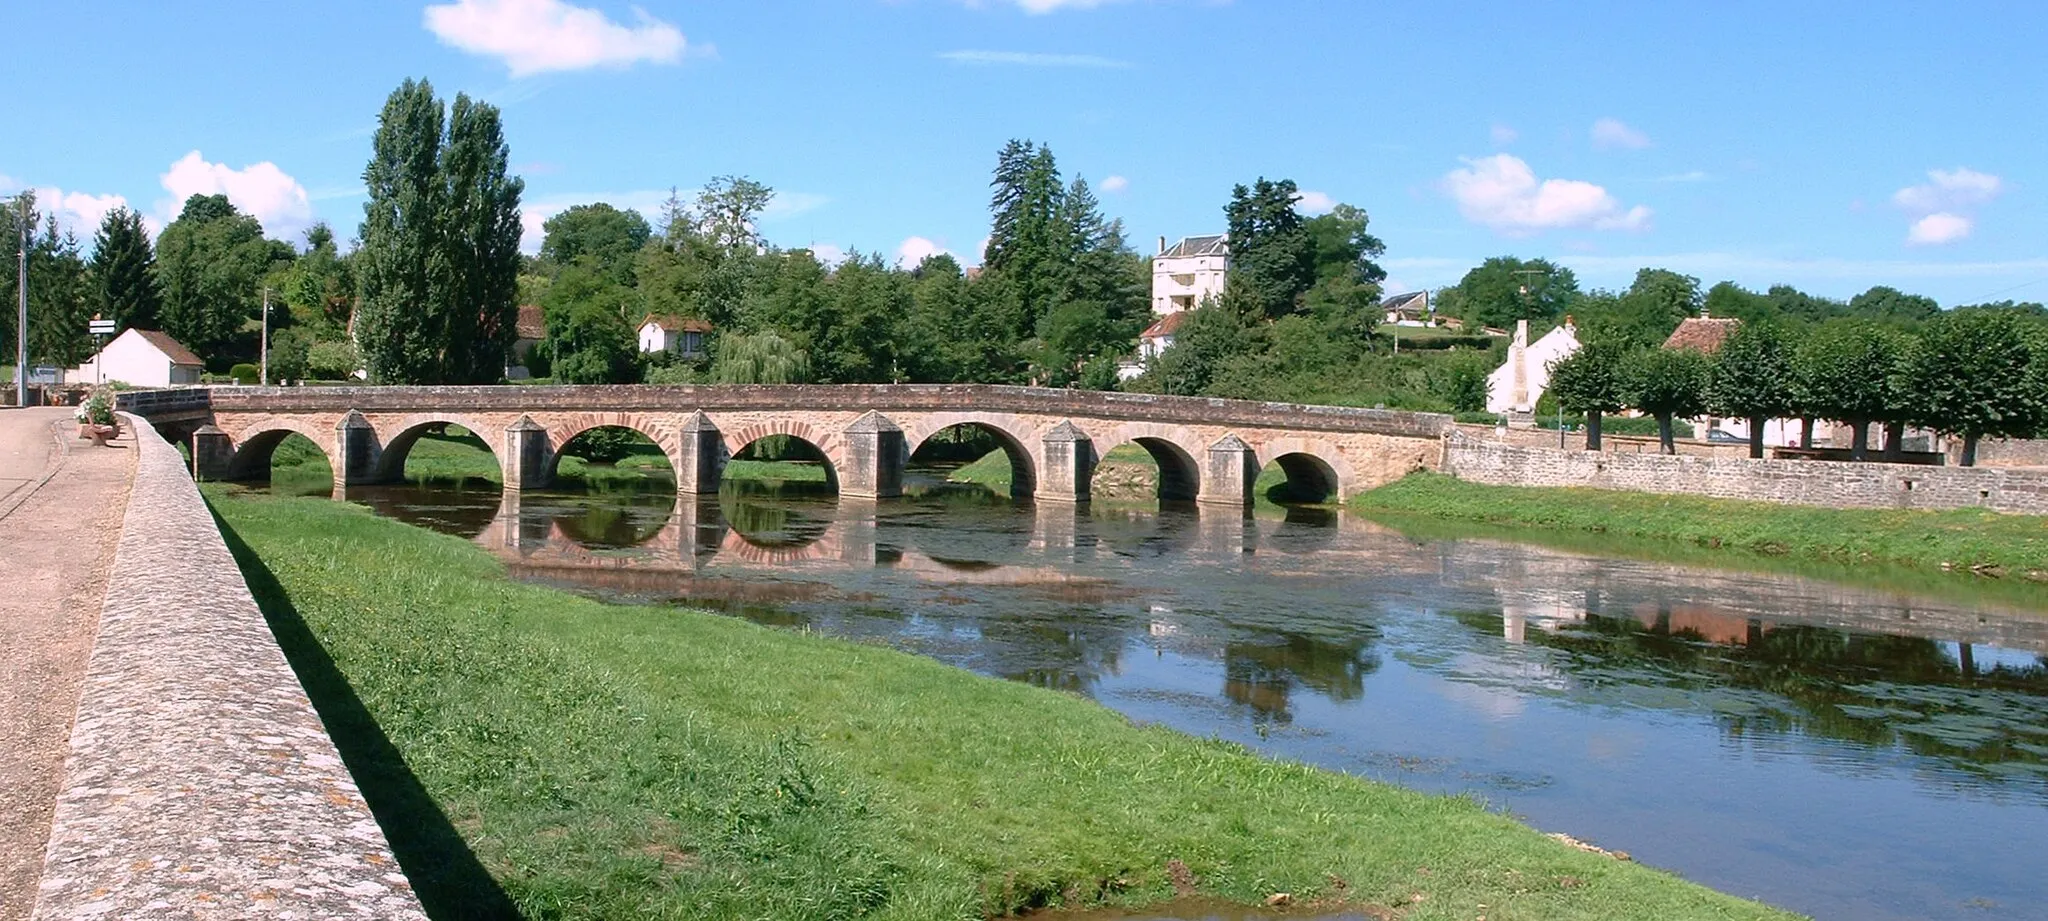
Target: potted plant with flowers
[[96, 416]]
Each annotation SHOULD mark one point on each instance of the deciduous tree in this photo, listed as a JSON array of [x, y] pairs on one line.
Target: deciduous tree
[[1591, 381], [1752, 378], [211, 263], [1844, 369], [1668, 384], [1504, 289], [1976, 373]]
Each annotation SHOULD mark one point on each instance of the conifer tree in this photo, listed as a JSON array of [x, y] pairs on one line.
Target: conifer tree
[[124, 272]]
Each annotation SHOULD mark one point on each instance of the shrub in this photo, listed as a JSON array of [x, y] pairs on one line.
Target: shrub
[[245, 373]]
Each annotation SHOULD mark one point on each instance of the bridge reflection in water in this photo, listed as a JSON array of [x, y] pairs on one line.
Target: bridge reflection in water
[[1841, 750]]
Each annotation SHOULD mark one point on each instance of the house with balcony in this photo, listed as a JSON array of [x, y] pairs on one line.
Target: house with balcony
[[1189, 271]]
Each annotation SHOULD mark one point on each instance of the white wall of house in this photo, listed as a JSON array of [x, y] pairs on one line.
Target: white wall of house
[[655, 339], [1181, 282], [132, 359], [1515, 386], [1149, 347]]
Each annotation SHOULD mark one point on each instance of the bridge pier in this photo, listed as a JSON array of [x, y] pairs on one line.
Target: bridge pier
[[356, 451], [1233, 468], [700, 457], [875, 454], [524, 461], [212, 452], [1069, 465]]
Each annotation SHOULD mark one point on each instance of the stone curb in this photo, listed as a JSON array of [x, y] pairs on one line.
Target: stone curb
[[201, 783]]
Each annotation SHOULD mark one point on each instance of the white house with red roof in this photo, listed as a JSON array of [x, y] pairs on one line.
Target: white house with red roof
[[145, 358]]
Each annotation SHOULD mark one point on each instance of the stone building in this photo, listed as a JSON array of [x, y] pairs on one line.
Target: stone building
[[1518, 383]]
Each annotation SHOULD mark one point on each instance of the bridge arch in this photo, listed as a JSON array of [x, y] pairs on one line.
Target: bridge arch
[[563, 431], [1174, 448], [251, 460], [1015, 440], [1316, 470], [406, 432], [827, 443]]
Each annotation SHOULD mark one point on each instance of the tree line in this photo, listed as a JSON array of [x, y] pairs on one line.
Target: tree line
[[1972, 372]]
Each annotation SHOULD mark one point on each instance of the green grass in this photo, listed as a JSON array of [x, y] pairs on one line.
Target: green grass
[[1963, 540], [533, 749]]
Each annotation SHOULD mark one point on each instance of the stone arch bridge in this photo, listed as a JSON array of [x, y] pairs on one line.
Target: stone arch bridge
[[1208, 450]]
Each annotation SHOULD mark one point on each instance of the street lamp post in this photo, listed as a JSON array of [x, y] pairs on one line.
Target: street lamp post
[[21, 314], [264, 377]]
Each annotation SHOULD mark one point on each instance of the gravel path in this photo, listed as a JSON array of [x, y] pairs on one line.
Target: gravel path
[[57, 539]]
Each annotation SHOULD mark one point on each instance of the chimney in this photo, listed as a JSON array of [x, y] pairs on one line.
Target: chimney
[[1162, 246]]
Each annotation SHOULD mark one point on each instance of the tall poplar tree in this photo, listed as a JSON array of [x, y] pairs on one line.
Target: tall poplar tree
[[437, 272], [124, 272]]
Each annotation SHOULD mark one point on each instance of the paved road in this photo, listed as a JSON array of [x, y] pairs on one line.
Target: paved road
[[61, 502]]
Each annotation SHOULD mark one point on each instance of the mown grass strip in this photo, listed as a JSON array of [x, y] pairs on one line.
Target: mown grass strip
[[1963, 540], [575, 759]]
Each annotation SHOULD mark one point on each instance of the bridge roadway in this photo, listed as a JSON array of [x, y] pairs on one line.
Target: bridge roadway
[[1208, 450]]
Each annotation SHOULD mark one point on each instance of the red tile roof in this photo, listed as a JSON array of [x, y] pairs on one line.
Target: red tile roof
[[1164, 326], [172, 348], [1702, 334], [532, 323], [677, 324]]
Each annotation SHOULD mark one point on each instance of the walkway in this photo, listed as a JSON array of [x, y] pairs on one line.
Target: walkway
[[61, 502]]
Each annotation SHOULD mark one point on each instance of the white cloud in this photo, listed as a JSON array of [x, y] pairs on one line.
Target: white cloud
[[1503, 135], [1041, 7], [790, 204], [1501, 192], [1031, 59], [1312, 202], [1938, 228], [277, 200], [1948, 190], [1941, 205], [914, 250], [539, 36], [1687, 176], [77, 212], [829, 255], [1612, 134], [1114, 184]]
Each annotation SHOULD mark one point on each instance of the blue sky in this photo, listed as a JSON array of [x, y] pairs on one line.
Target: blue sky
[[1831, 146]]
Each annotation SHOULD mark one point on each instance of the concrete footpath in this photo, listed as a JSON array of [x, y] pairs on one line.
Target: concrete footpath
[[61, 506]]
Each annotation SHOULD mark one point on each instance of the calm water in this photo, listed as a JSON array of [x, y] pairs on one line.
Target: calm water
[[1841, 751]]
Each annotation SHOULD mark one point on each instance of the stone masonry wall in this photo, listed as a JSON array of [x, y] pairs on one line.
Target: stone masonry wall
[[201, 783], [1797, 482]]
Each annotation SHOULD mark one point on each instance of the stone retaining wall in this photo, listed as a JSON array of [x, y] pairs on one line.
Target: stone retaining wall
[[1798, 482], [201, 783]]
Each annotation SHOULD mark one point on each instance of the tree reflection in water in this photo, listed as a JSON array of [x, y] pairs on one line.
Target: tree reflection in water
[[1877, 690], [1263, 674]]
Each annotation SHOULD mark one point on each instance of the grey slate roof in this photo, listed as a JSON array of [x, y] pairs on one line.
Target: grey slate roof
[[1211, 245]]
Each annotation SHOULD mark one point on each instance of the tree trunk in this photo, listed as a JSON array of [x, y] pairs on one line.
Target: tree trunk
[[1756, 437], [1664, 434], [1806, 431], [1969, 449], [1859, 441], [1894, 440], [1593, 430]]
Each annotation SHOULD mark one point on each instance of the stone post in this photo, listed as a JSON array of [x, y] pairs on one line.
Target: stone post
[[1056, 530], [1069, 464], [857, 531], [698, 529], [700, 459], [525, 458], [1233, 467], [212, 452], [875, 454], [355, 446]]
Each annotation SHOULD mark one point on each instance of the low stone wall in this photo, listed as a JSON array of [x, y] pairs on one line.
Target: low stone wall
[[1827, 484], [1609, 441], [2003, 452], [201, 783]]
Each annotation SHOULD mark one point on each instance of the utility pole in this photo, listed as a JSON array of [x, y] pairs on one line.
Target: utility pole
[[265, 378], [21, 315]]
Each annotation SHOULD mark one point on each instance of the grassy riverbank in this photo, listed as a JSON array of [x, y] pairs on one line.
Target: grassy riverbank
[[1962, 541], [532, 749]]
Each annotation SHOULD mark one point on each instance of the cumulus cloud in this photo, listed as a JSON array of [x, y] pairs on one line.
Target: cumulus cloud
[[1940, 206], [540, 36], [914, 250], [1312, 202], [77, 212], [829, 255], [1503, 135], [1502, 192], [1947, 190], [277, 200], [1938, 228], [1030, 59], [1612, 134], [1114, 184]]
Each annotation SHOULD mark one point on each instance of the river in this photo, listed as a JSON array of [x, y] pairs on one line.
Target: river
[[1843, 750]]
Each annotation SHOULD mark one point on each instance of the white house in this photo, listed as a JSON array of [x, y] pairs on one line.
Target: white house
[[1515, 386], [143, 357], [1190, 271], [681, 335]]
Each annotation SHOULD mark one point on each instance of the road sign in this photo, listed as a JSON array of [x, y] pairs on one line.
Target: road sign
[[42, 374], [101, 327]]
